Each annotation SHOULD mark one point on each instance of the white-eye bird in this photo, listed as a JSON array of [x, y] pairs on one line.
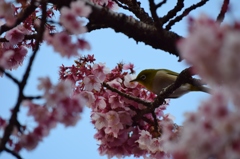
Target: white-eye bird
[[155, 80]]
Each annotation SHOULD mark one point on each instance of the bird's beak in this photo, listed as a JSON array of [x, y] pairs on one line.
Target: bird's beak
[[134, 80]]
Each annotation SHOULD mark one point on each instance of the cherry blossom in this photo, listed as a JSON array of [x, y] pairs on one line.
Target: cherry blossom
[[213, 51], [29, 142], [80, 9], [211, 131], [60, 107], [127, 82], [69, 18], [92, 82], [5, 57], [7, 12], [45, 83], [100, 71], [12, 58], [83, 44], [100, 103], [99, 120], [69, 21], [14, 36], [88, 97], [62, 44]]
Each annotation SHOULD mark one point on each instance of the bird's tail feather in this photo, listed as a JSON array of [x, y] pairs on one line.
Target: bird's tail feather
[[201, 88]]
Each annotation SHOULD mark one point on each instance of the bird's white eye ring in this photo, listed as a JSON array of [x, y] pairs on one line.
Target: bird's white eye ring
[[143, 77]]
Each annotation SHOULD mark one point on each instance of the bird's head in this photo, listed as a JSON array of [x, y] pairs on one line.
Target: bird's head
[[146, 78]]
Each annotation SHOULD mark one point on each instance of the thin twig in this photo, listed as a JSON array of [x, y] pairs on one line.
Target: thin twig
[[10, 76], [185, 13], [135, 7], [153, 9], [133, 28], [161, 3], [149, 121], [121, 5], [15, 154], [223, 11], [32, 97], [156, 126], [179, 6], [138, 100]]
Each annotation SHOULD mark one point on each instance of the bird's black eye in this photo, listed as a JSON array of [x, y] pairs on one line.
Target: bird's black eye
[[143, 77]]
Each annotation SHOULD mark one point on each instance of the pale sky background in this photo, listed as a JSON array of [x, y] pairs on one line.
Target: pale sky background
[[109, 47]]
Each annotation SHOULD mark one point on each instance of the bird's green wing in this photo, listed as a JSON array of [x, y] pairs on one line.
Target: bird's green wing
[[170, 72]]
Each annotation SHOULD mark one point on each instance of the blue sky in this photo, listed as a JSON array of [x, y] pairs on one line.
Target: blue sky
[[111, 48]]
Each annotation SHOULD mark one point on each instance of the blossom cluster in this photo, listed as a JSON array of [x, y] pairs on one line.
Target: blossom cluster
[[208, 42], [7, 12], [59, 107], [72, 22], [14, 49], [69, 17], [213, 130], [118, 132]]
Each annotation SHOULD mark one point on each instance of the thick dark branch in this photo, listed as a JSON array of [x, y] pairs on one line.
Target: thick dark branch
[[139, 31], [25, 13], [185, 13], [136, 9], [179, 6], [223, 11], [133, 28]]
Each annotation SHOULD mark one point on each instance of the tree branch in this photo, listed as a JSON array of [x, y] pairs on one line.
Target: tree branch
[[135, 8], [185, 13], [179, 6], [223, 11], [13, 119], [127, 95], [133, 28], [10, 76], [13, 153], [32, 97], [153, 8], [161, 3], [139, 31]]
